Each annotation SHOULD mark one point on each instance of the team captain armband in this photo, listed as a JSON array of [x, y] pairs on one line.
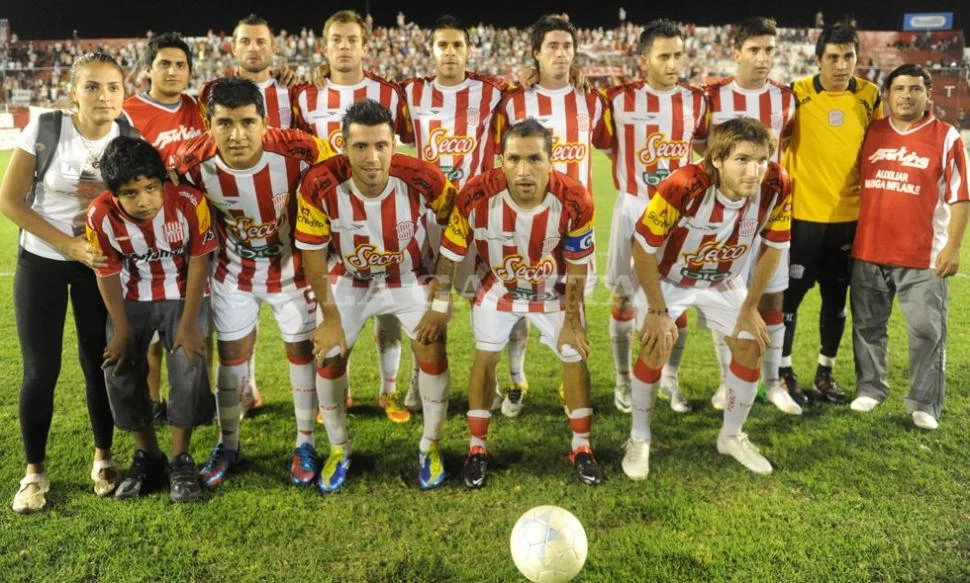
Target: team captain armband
[[454, 242], [312, 224], [655, 224], [578, 244]]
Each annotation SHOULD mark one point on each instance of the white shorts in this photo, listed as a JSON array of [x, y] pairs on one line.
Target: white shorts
[[620, 276], [356, 305], [235, 313], [779, 279], [718, 306], [492, 329]]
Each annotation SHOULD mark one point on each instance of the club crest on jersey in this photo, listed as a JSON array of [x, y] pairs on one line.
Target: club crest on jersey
[[441, 144], [549, 245], [279, 201], [405, 230], [473, 115], [569, 152], [748, 227], [582, 120], [514, 267], [336, 139], [713, 252], [174, 233], [367, 255], [658, 147]]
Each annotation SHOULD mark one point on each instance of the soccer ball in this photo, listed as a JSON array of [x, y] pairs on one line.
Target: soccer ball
[[548, 544]]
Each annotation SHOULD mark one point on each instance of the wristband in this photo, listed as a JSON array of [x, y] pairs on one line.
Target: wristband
[[440, 306], [662, 312]]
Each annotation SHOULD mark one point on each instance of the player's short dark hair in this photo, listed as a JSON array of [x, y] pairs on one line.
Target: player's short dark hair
[[547, 24], [725, 136], [252, 20], [659, 28], [234, 92], [908, 70], [449, 22], [347, 17], [125, 159], [368, 113], [752, 27], [529, 128], [836, 34], [168, 40]]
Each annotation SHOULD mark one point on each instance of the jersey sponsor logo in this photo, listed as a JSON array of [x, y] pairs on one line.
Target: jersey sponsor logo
[[405, 230], [154, 255], [367, 255], [306, 220], [659, 220], [336, 139], [658, 147], [261, 252], [569, 152], [515, 267], [902, 156], [441, 144], [174, 233], [244, 230], [748, 227], [712, 276], [713, 252], [175, 135]]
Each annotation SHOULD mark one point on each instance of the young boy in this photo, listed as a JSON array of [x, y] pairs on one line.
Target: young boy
[[157, 238]]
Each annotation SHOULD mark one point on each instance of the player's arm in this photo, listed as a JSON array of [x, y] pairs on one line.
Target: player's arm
[[948, 262], [659, 331], [118, 350], [454, 246], [573, 332], [188, 336]]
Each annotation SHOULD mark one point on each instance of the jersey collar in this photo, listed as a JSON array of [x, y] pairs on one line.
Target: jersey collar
[[817, 83]]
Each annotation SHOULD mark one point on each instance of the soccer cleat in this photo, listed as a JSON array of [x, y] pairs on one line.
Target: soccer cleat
[[790, 382], [304, 465], [719, 400], [622, 397], [159, 412], [431, 472], [146, 473], [106, 475], [863, 404], [829, 389], [183, 479], [475, 471], [636, 458], [25, 502], [738, 447], [391, 403], [514, 399], [220, 461], [412, 400], [334, 471], [587, 468], [670, 389], [781, 399], [924, 420]]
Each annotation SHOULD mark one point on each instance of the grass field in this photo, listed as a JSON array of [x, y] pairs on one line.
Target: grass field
[[853, 498]]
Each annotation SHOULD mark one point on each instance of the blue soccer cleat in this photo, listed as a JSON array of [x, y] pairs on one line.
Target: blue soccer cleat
[[432, 469], [220, 461], [334, 471], [304, 465]]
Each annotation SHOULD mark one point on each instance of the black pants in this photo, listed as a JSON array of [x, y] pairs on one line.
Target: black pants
[[40, 291], [819, 252]]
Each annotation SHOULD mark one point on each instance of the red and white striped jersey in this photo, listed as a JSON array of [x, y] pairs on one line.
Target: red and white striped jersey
[[701, 238], [277, 99], [653, 133], [909, 180], [373, 238], [255, 208], [772, 105], [525, 250], [577, 120], [453, 125], [321, 111], [165, 126], [152, 256]]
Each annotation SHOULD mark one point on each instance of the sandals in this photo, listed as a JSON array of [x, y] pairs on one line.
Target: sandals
[[25, 502], [106, 475]]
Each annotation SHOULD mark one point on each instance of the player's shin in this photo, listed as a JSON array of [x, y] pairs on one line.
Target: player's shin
[[621, 328], [231, 377], [331, 384], [518, 340], [677, 351], [435, 381], [646, 380], [302, 380], [387, 332], [742, 386]]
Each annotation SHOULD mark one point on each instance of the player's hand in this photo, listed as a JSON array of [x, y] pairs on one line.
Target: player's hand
[[948, 261], [81, 250], [320, 75], [287, 77], [527, 76], [574, 335], [432, 326], [328, 335], [190, 339], [658, 334], [750, 321], [118, 351]]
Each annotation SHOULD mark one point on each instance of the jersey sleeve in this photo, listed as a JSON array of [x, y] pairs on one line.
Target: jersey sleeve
[[704, 123], [578, 246], [202, 237], [312, 221], [97, 238], [955, 169], [663, 211], [405, 127], [777, 230], [602, 137]]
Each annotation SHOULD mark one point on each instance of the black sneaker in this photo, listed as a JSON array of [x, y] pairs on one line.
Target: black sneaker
[[587, 468], [475, 471], [790, 382], [147, 473], [828, 388], [159, 412], [183, 479]]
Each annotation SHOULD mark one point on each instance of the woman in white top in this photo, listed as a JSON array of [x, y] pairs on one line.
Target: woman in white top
[[55, 263]]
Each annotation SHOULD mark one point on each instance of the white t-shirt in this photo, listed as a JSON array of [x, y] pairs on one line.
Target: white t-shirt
[[69, 186]]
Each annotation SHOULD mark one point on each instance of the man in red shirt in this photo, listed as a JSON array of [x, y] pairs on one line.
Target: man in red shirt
[[913, 170]]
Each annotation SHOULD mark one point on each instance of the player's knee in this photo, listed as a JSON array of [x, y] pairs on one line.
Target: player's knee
[[746, 353], [299, 351], [771, 301]]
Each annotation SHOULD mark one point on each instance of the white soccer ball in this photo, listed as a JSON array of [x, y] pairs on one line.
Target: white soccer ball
[[548, 544]]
